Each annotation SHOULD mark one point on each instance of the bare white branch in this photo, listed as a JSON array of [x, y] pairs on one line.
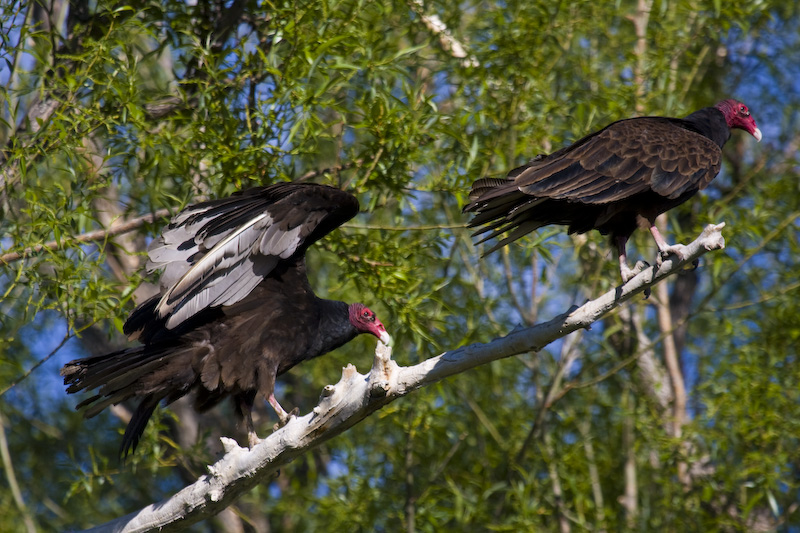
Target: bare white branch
[[356, 396], [446, 39]]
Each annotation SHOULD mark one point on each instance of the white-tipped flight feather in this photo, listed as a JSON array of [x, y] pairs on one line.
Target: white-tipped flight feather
[[215, 253], [227, 272]]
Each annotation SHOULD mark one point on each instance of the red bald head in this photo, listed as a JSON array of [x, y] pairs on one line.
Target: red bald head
[[738, 116], [365, 321]]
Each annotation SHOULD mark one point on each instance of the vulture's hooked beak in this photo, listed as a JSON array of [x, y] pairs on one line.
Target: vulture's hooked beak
[[386, 339]]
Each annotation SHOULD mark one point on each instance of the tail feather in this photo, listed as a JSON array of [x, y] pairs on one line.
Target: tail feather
[[87, 374], [521, 230], [488, 227], [486, 190], [500, 207], [88, 401], [95, 405], [92, 372], [484, 186], [135, 429], [123, 378], [497, 208], [127, 374]]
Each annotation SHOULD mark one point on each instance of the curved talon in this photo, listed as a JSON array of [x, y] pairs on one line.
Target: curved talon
[[283, 416], [678, 250], [283, 420], [629, 273], [252, 439]]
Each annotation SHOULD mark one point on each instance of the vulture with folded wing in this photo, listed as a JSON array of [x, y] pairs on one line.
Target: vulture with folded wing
[[613, 180]]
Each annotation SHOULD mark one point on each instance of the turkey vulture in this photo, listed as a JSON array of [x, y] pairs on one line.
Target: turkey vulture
[[613, 180], [235, 308]]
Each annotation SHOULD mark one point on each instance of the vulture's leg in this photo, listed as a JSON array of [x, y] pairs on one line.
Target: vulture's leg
[[625, 271], [244, 404], [252, 437], [664, 248], [283, 416]]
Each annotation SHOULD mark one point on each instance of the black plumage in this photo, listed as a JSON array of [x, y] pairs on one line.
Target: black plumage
[[613, 180], [235, 308]]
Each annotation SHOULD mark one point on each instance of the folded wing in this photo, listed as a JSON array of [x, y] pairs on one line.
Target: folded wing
[[624, 159], [598, 178]]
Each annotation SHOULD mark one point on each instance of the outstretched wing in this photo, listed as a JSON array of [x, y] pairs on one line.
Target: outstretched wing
[[624, 159], [215, 253]]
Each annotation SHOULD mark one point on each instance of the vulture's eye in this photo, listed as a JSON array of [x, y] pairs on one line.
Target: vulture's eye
[[367, 315], [743, 110]]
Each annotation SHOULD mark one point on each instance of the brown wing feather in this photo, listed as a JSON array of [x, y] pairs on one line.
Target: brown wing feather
[[641, 166], [625, 159]]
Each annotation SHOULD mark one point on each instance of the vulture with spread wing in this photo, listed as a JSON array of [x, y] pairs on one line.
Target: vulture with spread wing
[[613, 180], [235, 308]]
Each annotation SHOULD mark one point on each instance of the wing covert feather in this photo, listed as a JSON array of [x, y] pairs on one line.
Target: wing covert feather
[[624, 159], [215, 253]]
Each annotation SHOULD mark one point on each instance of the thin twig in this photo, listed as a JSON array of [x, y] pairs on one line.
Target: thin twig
[[423, 227], [765, 298], [569, 354], [8, 466], [629, 499], [512, 293], [96, 235], [672, 361], [555, 484], [410, 509], [769, 237], [330, 170], [373, 164], [42, 361], [585, 429], [14, 74]]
